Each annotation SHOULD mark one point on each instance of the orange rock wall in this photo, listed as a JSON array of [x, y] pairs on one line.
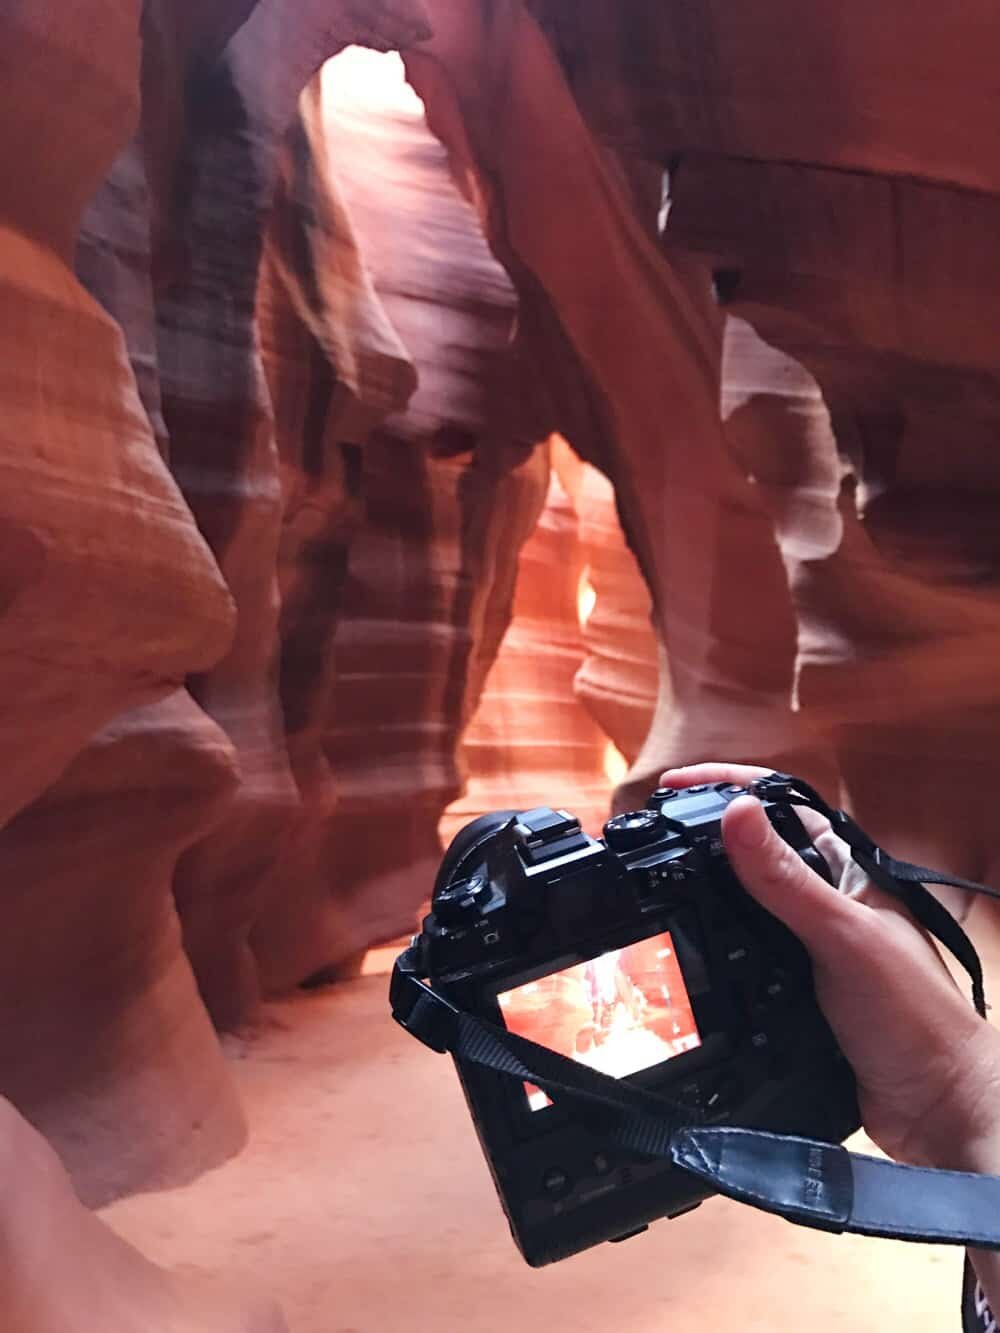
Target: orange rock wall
[[862, 275]]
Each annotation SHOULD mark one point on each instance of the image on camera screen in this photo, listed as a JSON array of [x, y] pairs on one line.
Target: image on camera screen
[[625, 1010]]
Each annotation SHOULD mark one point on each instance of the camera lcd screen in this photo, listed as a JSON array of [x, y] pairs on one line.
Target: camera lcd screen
[[623, 1011]]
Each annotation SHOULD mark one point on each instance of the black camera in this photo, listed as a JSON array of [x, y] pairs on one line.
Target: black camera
[[641, 956]]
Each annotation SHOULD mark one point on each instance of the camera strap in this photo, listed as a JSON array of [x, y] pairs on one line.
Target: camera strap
[[809, 1182], [815, 1184], [902, 880]]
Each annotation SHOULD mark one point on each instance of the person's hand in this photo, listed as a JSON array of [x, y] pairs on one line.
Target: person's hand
[[928, 1067]]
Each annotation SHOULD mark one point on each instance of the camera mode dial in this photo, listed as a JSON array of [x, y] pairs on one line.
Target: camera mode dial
[[638, 828], [461, 901]]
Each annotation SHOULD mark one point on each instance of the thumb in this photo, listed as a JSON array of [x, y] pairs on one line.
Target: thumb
[[774, 873]]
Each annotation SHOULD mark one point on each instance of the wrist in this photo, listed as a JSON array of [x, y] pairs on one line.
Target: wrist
[[962, 1132]]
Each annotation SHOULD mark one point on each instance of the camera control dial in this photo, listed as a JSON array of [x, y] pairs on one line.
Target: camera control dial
[[638, 828], [460, 901]]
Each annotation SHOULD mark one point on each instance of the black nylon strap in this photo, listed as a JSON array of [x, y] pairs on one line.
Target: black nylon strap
[[977, 1317], [930, 913], [900, 879], [905, 870], [439, 1024]]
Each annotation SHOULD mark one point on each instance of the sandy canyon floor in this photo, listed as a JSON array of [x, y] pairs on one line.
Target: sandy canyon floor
[[363, 1205]]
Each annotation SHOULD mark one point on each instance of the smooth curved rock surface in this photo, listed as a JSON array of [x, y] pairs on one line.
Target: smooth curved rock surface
[[223, 451], [632, 377], [108, 595], [107, 1048], [111, 597], [531, 742], [881, 91], [893, 554], [64, 1271], [854, 237], [618, 680], [414, 597], [336, 368]]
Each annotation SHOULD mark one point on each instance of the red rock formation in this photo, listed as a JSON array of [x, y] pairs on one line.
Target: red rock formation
[[222, 444], [631, 354], [172, 247], [111, 597], [897, 670], [531, 742], [63, 1271], [619, 678], [336, 368], [870, 264], [447, 498], [657, 78], [108, 595], [365, 500], [107, 1049]]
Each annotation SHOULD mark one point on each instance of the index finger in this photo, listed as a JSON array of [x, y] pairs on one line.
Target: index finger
[[694, 775], [741, 775]]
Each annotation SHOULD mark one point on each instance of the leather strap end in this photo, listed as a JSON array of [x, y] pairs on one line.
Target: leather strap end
[[802, 1180]]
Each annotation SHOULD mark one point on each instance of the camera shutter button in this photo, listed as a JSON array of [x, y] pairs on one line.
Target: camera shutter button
[[662, 794]]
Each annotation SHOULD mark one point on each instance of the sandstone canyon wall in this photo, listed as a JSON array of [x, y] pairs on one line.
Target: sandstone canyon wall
[[111, 598], [448, 489], [114, 599], [286, 349], [868, 267]]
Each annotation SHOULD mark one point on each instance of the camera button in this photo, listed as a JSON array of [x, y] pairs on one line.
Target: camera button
[[776, 990], [738, 951], [662, 794], [724, 1095], [557, 1182], [692, 1095]]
